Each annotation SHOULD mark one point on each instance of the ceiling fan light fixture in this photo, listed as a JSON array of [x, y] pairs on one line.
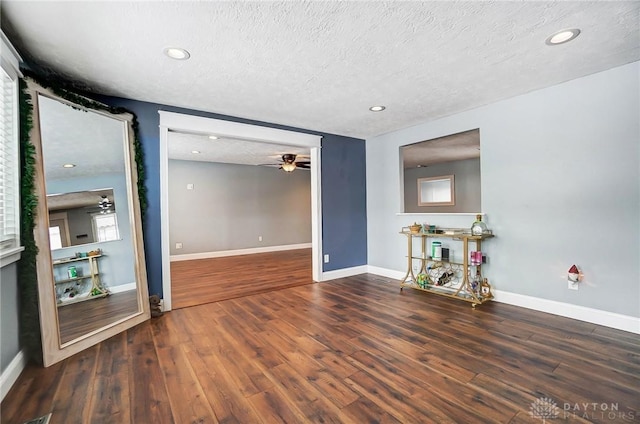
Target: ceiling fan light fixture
[[105, 205], [177, 53], [562, 37], [377, 108], [288, 166]]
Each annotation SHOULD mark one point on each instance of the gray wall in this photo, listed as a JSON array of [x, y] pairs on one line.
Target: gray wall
[[467, 186], [231, 205], [9, 315], [117, 266], [560, 186]]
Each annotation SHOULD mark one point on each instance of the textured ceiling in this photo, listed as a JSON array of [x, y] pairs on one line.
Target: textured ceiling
[[320, 65], [79, 199], [461, 146], [92, 142], [228, 150]]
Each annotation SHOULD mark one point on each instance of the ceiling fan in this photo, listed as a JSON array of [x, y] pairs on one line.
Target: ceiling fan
[[289, 162], [105, 205]]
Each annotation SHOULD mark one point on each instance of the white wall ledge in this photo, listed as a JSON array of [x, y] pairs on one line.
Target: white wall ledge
[[10, 256]]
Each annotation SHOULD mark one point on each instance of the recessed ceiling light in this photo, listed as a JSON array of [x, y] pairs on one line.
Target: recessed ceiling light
[[195, 152], [377, 108], [562, 37], [177, 53], [68, 165], [213, 137]]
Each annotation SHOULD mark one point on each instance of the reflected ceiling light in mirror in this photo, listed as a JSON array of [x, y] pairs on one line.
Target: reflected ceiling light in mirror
[[289, 167], [68, 165], [177, 53], [562, 37], [195, 152], [377, 108], [213, 137]]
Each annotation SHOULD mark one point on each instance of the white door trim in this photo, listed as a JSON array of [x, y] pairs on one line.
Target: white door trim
[[190, 123]]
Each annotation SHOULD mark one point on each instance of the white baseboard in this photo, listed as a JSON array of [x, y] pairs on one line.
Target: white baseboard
[[224, 253], [344, 272], [582, 313], [122, 288], [11, 373], [384, 272]]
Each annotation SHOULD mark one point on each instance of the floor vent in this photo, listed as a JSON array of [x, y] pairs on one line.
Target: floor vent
[[40, 420]]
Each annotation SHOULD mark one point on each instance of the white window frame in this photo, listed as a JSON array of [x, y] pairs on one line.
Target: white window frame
[[10, 60], [96, 229]]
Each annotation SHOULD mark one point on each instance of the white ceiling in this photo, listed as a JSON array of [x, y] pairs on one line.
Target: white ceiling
[[91, 141], [320, 65], [461, 146], [229, 150]]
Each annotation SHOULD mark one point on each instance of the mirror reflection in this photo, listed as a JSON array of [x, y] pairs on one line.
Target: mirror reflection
[[82, 217], [90, 233], [442, 175]]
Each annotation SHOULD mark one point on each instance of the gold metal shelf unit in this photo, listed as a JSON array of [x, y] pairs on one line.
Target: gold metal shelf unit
[[447, 278]]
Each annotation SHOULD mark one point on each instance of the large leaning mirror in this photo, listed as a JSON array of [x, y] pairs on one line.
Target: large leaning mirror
[[91, 272]]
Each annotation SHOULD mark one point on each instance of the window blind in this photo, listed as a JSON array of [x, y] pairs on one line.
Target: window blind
[[9, 164]]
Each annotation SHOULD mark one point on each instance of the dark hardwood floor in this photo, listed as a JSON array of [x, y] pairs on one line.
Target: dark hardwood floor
[[211, 280], [78, 319], [354, 350]]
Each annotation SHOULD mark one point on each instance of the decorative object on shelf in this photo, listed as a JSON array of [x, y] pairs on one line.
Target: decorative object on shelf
[[72, 272], [96, 252], [422, 280], [415, 228], [479, 227], [436, 250]]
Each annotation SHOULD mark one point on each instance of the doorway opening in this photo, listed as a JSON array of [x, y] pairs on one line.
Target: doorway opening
[[213, 130]]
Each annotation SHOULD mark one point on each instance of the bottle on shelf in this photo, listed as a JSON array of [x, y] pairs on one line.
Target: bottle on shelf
[[478, 227], [476, 283]]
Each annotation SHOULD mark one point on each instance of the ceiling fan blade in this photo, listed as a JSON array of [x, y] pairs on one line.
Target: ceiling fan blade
[[303, 165]]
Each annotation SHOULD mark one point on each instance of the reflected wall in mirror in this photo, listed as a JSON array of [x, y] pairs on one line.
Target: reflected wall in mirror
[[91, 272], [82, 217], [455, 156]]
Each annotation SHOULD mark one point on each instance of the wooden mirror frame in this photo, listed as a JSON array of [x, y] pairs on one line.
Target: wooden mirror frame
[[52, 350]]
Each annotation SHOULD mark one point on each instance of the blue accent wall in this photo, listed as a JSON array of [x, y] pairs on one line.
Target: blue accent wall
[[344, 202], [343, 188]]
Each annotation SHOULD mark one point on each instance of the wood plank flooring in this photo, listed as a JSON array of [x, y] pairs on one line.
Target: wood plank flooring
[[354, 350], [211, 280], [78, 319]]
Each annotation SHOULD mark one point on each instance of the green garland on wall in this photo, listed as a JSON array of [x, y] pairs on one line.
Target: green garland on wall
[[27, 274], [30, 332], [63, 88]]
